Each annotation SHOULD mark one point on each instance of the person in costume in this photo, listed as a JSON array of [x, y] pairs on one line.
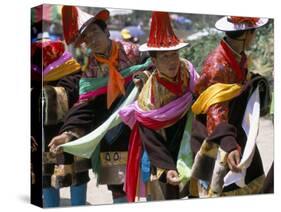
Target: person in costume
[[159, 156], [223, 127], [60, 74], [130, 46], [103, 87], [127, 36]]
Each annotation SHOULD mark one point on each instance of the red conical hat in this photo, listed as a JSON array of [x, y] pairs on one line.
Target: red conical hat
[[75, 21], [162, 36]]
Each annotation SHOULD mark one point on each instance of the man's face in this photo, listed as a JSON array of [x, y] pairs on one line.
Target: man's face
[[167, 62], [250, 37], [95, 39]]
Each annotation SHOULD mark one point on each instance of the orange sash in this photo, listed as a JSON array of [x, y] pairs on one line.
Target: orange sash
[[115, 85]]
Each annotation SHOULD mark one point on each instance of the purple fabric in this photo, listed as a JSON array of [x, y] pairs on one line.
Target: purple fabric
[[91, 94], [165, 113], [193, 77], [99, 91], [62, 59]]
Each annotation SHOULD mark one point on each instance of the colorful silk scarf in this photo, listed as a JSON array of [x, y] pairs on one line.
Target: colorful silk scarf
[[214, 94], [228, 54], [68, 67], [55, 64], [92, 87], [115, 85], [175, 88], [86, 146], [185, 155], [156, 94], [155, 119]]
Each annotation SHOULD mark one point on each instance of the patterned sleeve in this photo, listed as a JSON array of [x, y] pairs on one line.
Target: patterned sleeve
[[217, 113], [131, 51]]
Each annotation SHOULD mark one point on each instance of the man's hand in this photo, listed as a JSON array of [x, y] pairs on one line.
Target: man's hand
[[173, 177], [233, 159], [58, 140]]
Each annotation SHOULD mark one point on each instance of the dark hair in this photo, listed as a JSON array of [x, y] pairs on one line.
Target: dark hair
[[237, 34], [101, 24], [152, 54]]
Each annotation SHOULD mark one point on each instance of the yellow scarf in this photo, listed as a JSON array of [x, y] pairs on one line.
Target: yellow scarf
[[154, 95], [64, 69], [214, 94], [115, 85]]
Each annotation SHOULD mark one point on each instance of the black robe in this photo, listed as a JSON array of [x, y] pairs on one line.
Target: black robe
[[163, 153], [71, 85], [227, 135]]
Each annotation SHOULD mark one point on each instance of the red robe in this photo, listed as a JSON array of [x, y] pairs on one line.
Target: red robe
[[217, 68]]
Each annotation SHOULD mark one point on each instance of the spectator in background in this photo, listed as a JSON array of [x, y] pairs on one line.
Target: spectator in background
[[129, 43], [61, 74]]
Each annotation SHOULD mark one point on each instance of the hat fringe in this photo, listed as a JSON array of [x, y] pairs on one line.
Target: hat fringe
[[161, 33], [70, 24], [243, 20]]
